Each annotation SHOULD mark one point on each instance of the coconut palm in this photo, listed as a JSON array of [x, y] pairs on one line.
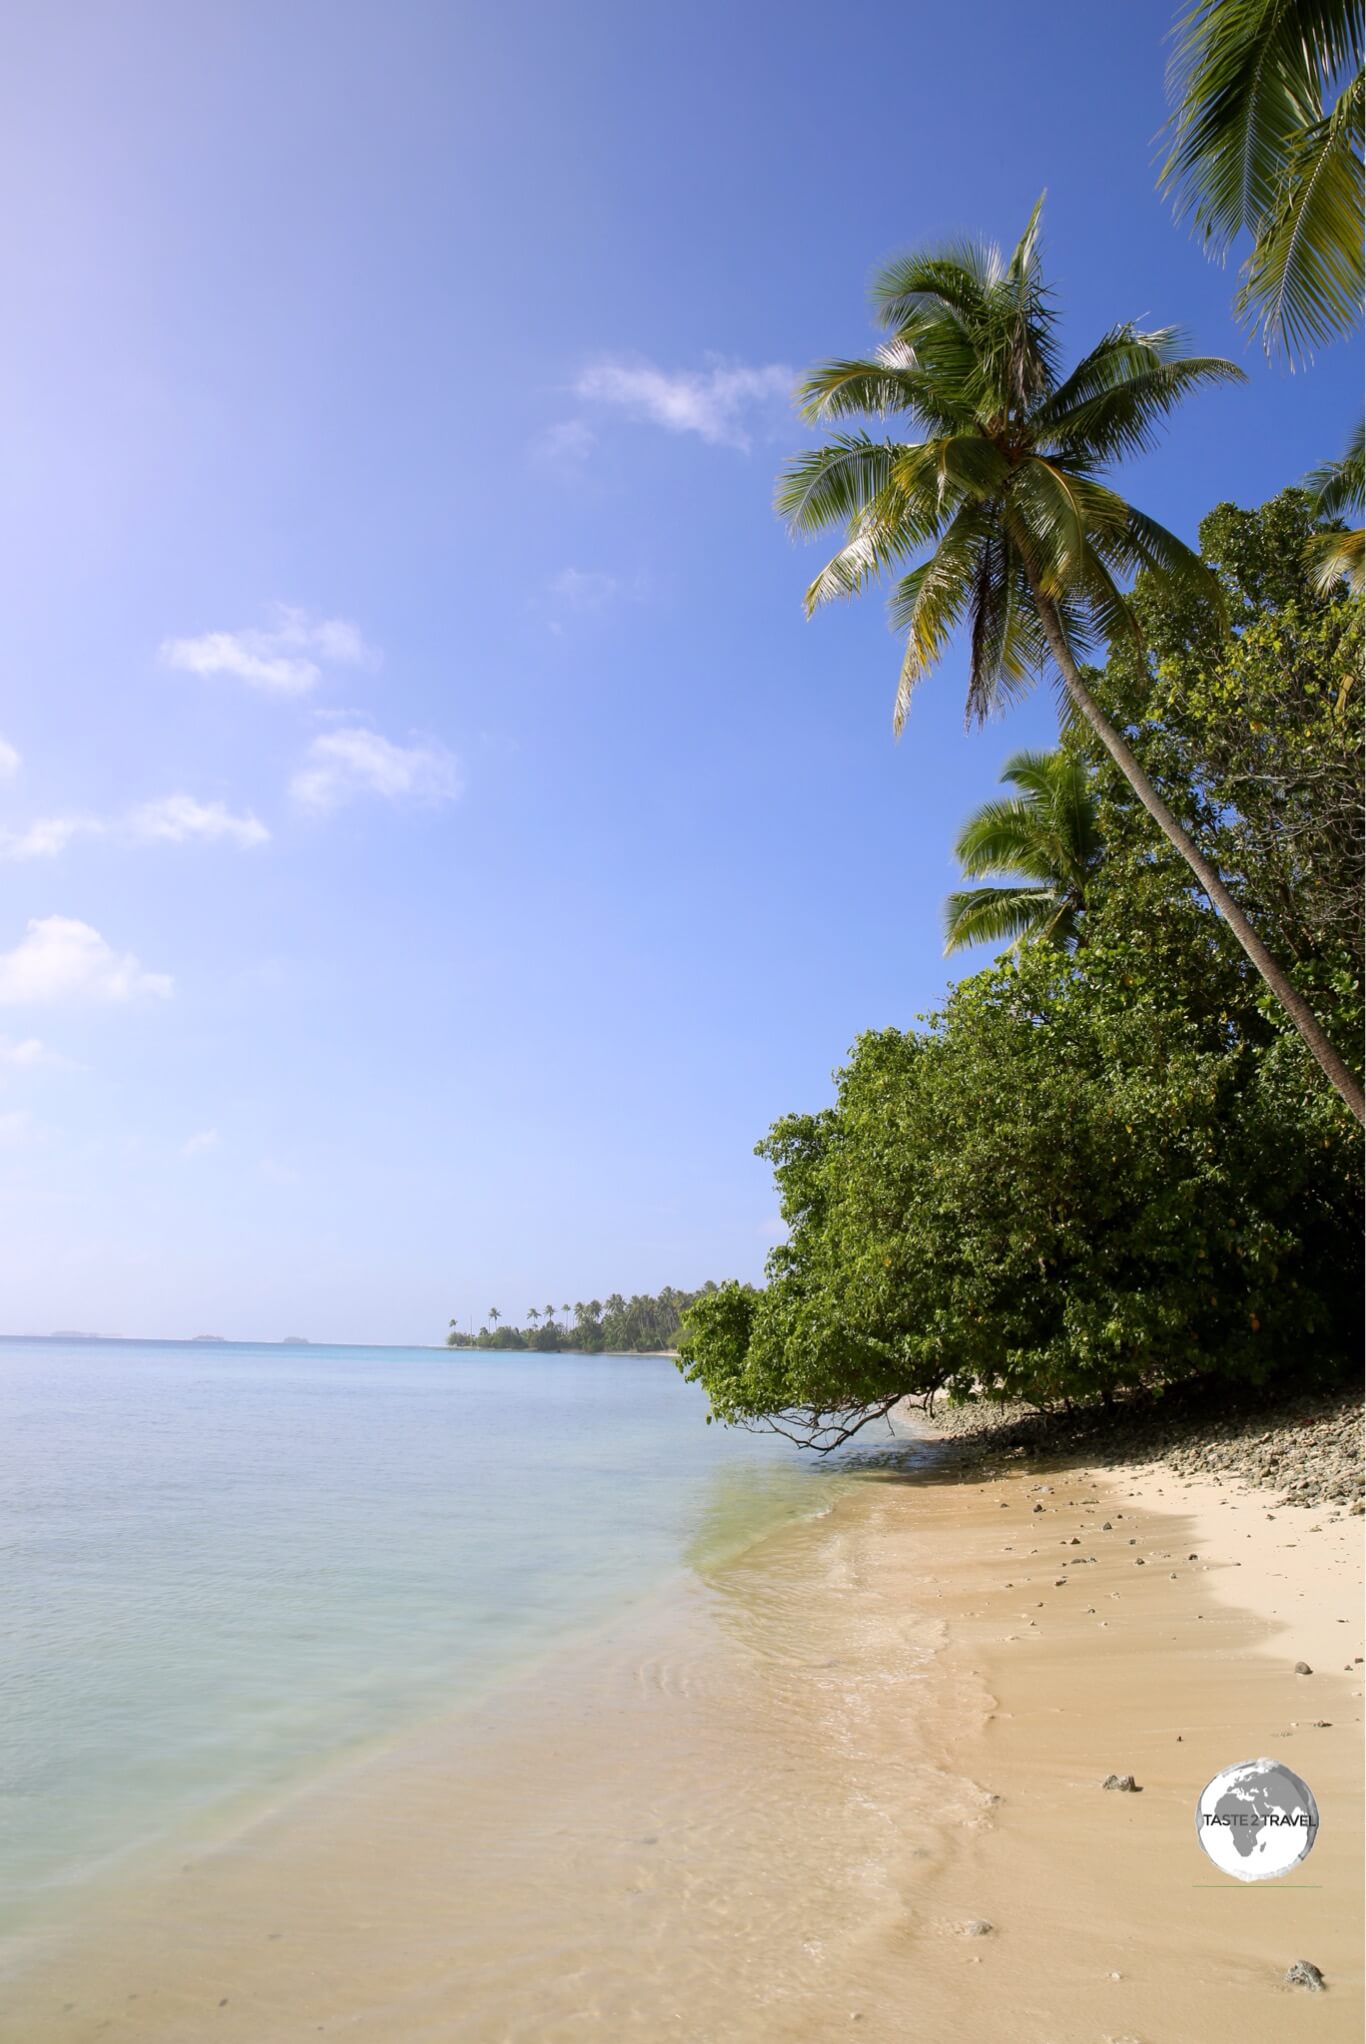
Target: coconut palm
[[1338, 490], [1037, 850], [1025, 546], [494, 1315], [1267, 136]]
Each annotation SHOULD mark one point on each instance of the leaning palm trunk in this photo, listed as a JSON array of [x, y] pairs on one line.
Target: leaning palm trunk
[[1296, 1007]]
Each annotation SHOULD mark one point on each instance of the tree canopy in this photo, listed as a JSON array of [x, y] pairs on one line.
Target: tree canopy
[[1105, 1168]]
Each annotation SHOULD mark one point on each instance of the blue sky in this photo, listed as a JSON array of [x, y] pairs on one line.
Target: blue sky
[[435, 847]]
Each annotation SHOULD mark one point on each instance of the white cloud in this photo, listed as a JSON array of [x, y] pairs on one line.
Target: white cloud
[[28, 1051], [714, 402], [354, 761], [175, 818], [284, 659], [61, 959], [9, 760], [205, 1139], [47, 837]]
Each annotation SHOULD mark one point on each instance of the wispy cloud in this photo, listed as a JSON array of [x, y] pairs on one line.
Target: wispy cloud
[[48, 836], [59, 958], [287, 658], [177, 818], [585, 588], [566, 444], [27, 1052], [719, 403], [173, 819], [9, 760], [354, 761], [196, 1145]]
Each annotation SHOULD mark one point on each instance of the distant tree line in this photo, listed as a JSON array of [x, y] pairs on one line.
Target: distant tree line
[[641, 1325]]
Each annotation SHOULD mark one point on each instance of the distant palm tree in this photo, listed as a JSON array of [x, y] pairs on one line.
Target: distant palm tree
[[532, 1314], [1047, 837], [1026, 546], [1338, 490], [1267, 137], [550, 1316]]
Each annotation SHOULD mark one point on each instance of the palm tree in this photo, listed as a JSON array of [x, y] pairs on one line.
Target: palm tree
[[494, 1315], [1338, 489], [532, 1314], [1024, 540], [1047, 836], [1267, 136]]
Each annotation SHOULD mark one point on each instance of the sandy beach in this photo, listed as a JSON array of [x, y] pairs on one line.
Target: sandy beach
[[771, 1807]]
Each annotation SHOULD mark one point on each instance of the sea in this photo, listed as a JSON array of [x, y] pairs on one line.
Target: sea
[[226, 1567]]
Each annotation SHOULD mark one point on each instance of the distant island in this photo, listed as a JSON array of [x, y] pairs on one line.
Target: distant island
[[221, 1339], [645, 1324], [296, 1341]]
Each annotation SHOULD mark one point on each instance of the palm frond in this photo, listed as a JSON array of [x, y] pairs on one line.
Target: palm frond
[[992, 915], [1245, 77], [1302, 283], [830, 485], [1116, 400], [1334, 557], [1338, 488]]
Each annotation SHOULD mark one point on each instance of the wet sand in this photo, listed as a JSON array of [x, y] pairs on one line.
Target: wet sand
[[768, 1804]]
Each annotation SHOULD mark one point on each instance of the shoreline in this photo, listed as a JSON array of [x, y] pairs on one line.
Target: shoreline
[[773, 1802]]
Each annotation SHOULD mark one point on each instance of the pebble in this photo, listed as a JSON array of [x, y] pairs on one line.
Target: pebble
[[1306, 1975], [1125, 1783]]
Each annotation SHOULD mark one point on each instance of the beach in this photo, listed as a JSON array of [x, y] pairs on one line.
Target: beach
[[785, 1798]]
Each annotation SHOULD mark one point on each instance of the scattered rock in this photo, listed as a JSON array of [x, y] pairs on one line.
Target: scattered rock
[[978, 1928], [1307, 1450], [1306, 1975], [1303, 1668], [1125, 1783]]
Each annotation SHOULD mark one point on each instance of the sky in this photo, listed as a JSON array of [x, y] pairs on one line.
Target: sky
[[433, 845]]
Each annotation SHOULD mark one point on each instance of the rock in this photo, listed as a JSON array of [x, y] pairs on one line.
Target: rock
[[1125, 1783], [1303, 1668], [1306, 1975], [978, 1928]]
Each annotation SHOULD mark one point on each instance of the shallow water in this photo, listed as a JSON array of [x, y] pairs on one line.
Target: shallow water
[[224, 1569]]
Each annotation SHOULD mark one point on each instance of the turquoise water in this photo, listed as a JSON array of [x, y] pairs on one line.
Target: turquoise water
[[223, 1567]]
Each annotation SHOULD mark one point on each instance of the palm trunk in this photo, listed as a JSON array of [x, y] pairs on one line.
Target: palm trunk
[[1296, 1007]]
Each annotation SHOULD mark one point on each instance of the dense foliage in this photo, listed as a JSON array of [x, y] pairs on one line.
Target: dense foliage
[[1114, 1166], [643, 1324]]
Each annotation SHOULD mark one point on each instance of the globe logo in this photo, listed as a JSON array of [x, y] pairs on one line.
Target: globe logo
[[1257, 1820]]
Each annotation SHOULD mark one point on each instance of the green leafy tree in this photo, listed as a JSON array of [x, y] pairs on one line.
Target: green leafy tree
[[1037, 852], [1025, 546], [1266, 138], [1066, 1186], [1255, 739]]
